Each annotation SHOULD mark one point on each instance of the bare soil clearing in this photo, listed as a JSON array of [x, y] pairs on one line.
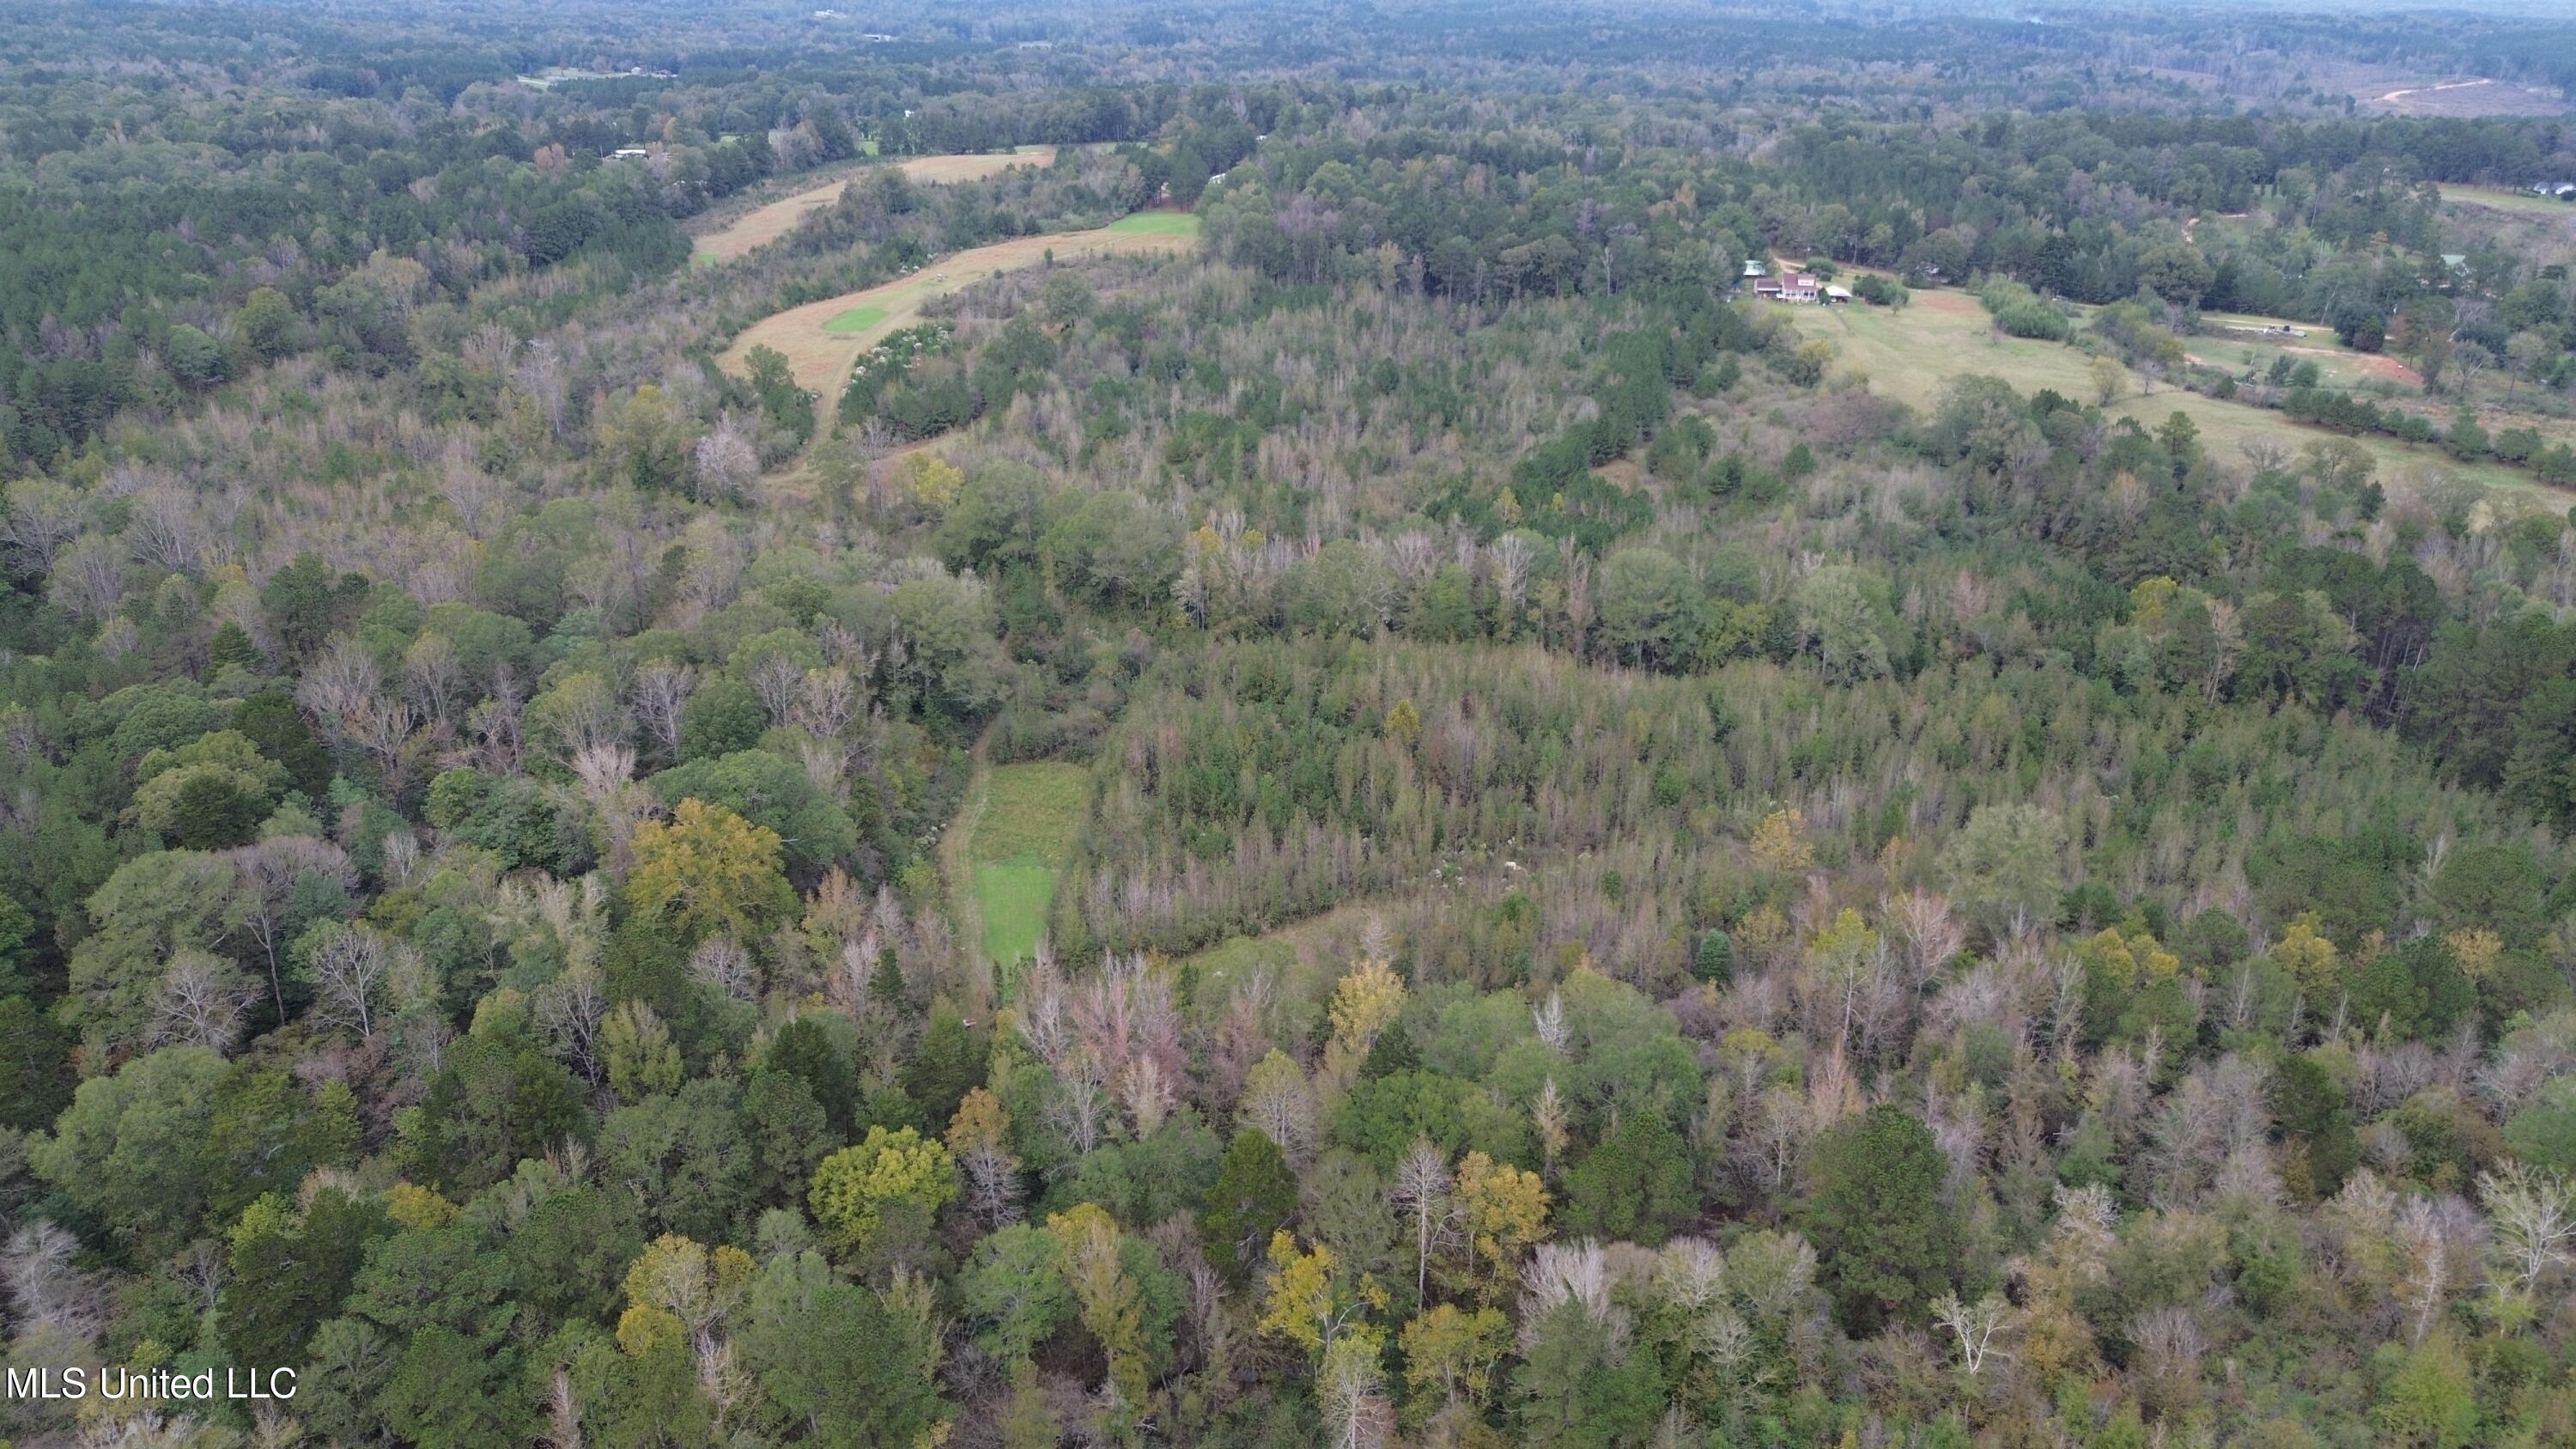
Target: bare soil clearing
[[820, 358], [766, 224]]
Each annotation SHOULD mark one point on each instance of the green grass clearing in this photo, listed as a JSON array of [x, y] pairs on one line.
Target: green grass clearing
[[1910, 353], [1015, 897], [857, 319], [1021, 840], [2523, 202], [1157, 223]]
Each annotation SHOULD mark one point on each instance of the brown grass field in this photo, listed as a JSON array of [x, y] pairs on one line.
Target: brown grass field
[[765, 224], [821, 359]]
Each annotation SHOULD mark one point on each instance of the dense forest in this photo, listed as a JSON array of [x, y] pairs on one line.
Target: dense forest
[[1409, 821]]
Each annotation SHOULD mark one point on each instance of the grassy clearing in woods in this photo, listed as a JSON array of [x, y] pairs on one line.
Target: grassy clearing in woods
[[820, 357], [1021, 841], [768, 222], [1910, 354], [1156, 223]]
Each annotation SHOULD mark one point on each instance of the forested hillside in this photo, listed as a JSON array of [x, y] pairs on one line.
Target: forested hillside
[[1405, 818]]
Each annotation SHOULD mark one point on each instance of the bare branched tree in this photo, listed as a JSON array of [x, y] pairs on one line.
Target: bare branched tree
[[42, 519], [831, 699], [338, 686], [780, 683], [728, 463], [353, 969], [165, 529], [200, 1002], [2533, 1216], [47, 1289], [434, 681], [573, 1010], [721, 963], [660, 693], [547, 380], [1420, 1193], [1977, 1326], [271, 871]]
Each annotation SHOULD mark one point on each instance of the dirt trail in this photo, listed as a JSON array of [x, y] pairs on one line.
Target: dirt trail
[[957, 868], [821, 360], [2401, 94], [2192, 223], [766, 224]]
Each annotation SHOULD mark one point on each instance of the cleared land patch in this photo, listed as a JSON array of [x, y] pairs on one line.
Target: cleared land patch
[[2496, 198], [1022, 837], [1911, 353], [820, 358], [2230, 340], [765, 224], [1156, 223]]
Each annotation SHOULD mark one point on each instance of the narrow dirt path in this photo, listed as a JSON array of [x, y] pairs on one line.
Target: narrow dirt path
[[2460, 85], [957, 869]]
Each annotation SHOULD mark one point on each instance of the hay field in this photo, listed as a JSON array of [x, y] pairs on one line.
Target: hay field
[[820, 357], [765, 224]]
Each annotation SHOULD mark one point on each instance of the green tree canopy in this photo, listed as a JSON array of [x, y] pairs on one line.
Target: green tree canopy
[[1875, 1215]]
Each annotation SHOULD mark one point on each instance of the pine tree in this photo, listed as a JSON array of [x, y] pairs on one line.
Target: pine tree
[[1255, 1195], [1635, 1186], [946, 1064], [1876, 1218], [802, 1050]]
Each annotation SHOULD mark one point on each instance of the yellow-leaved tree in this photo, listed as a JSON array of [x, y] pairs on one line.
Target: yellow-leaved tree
[[2309, 957], [979, 1136], [1113, 1303], [708, 870], [1449, 1357], [1365, 1003], [1310, 1300], [2134, 960], [929, 482], [1502, 1212], [854, 1187], [677, 1288], [2476, 950], [1780, 843]]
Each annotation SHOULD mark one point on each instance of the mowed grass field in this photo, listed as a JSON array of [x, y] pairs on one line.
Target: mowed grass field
[[1911, 353], [765, 224], [820, 355], [1021, 841], [1155, 223], [2496, 198], [857, 319], [2233, 340]]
